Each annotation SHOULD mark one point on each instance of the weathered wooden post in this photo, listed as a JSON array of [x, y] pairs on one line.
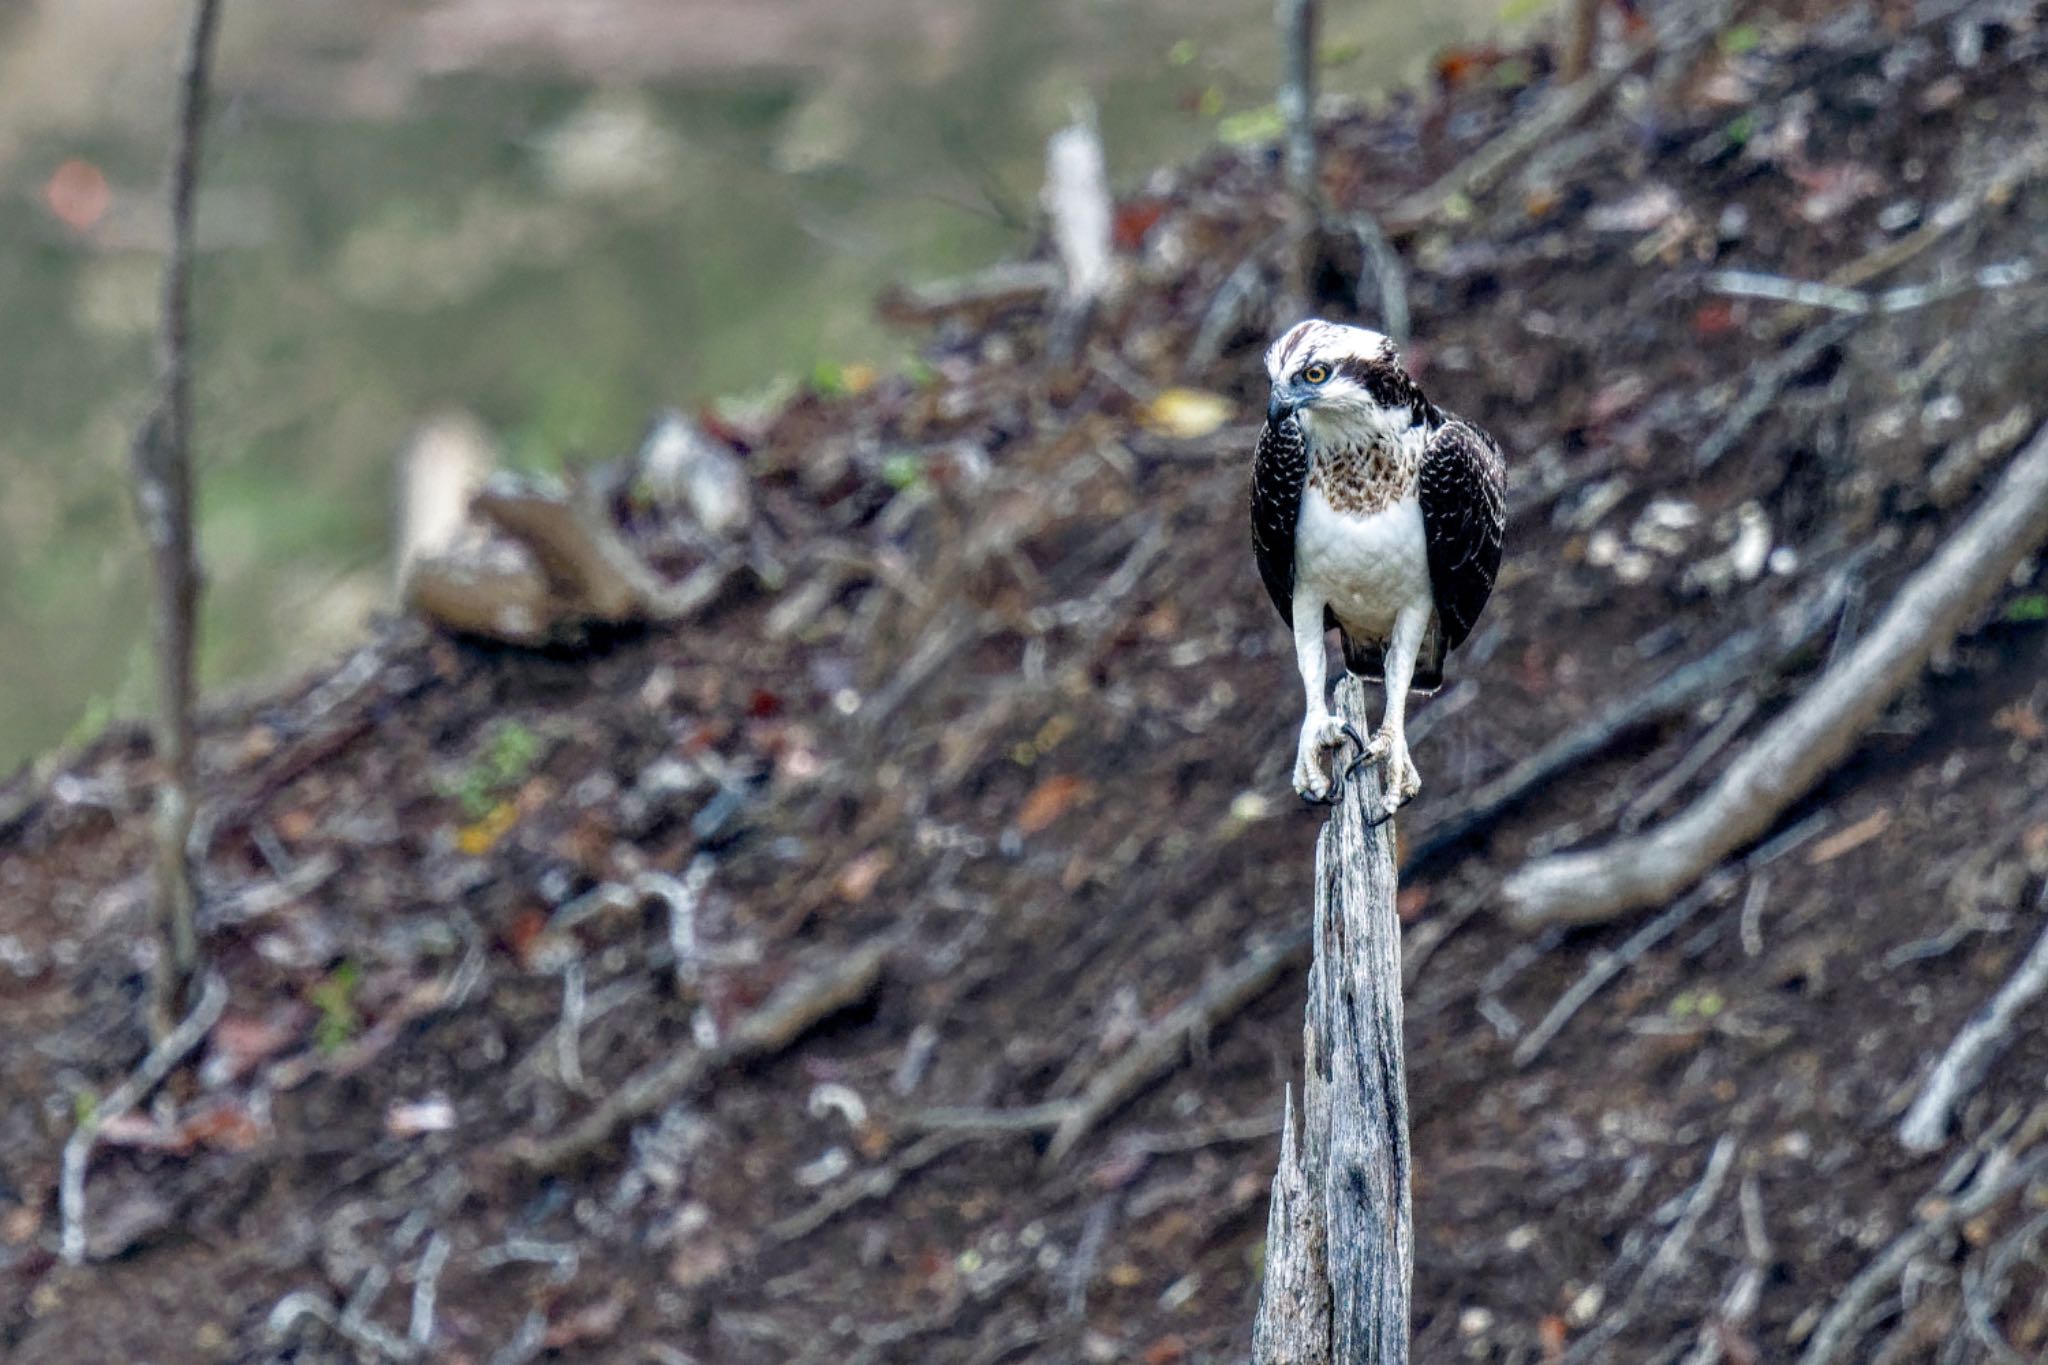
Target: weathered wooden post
[[1340, 1246]]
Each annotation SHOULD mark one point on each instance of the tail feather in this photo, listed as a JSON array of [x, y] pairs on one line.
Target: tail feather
[[1368, 659]]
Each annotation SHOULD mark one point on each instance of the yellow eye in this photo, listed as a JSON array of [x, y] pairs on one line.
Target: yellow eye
[[1316, 374]]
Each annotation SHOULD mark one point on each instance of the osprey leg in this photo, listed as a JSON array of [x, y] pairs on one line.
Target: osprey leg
[[1320, 730], [1391, 741]]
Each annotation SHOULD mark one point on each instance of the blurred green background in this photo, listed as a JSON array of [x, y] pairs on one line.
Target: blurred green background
[[557, 217]]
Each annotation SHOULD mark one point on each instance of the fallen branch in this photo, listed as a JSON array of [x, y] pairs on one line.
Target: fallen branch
[[1484, 169], [1607, 966], [1340, 1245], [1812, 735], [878, 1183], [1989, 1031], [1753, 284], [560, 568], [784, 1017], [1767, 382], [1997, 1176], [175, 1046], [981, 295], [1945, 219], [1160, 1049], [1741, 657]]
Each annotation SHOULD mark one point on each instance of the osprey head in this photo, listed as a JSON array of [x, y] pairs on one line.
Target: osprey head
[[1338, 381]]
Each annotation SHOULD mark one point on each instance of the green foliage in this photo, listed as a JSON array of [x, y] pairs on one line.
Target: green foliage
[[904, 472], [1263, 124], [508, 754], [1342, 53], [1741, 38], [2030, 608], [334, 996], [91, 723], [1740, 129], [1513, 74], [1703, 1003]]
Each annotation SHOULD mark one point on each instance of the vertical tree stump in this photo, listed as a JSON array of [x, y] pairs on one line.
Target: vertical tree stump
[[1340, 1247]]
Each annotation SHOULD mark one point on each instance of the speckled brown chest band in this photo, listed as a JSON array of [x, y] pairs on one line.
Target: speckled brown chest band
[[1361, 481]]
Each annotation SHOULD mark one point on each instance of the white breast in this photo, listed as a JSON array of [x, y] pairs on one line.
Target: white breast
[[1367, 567]]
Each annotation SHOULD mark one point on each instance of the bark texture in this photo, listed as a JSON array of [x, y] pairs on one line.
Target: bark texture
[[1340, 1247]]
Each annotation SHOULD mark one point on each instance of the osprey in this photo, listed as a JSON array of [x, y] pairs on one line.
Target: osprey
[[1378, 513]]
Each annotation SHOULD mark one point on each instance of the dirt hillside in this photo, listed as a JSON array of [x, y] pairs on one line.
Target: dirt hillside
[[992, 738]]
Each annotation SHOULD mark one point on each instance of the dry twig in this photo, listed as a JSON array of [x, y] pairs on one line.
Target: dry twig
[[1162, 1047], [172, 1049], [1815, 732], [879, 1183], [1976, 1046], [1607, 966], [1998, 1175], [1482, 170], [779, 1021]]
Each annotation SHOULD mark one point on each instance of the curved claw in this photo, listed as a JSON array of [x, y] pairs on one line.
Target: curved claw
[[1341, 777]]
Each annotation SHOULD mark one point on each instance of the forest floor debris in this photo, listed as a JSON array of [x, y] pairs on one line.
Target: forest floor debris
[[991, 681]]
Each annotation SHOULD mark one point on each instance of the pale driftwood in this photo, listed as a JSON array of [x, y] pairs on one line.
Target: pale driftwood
[[173, 1048], [1082, 215], [559, 568], [779, 1021], [161, 461], [1077, 203], [1814, 734], [1740, 658], [1976, 1046], [1340, 1245]]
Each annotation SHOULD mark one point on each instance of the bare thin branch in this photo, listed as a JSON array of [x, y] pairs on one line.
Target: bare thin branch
[[161, 461]]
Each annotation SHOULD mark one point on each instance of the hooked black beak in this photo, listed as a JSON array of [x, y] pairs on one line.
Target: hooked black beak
[[1278, 408]]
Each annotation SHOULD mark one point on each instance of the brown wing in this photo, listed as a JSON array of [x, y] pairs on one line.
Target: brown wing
[[1463, 488], [1279, 471]]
